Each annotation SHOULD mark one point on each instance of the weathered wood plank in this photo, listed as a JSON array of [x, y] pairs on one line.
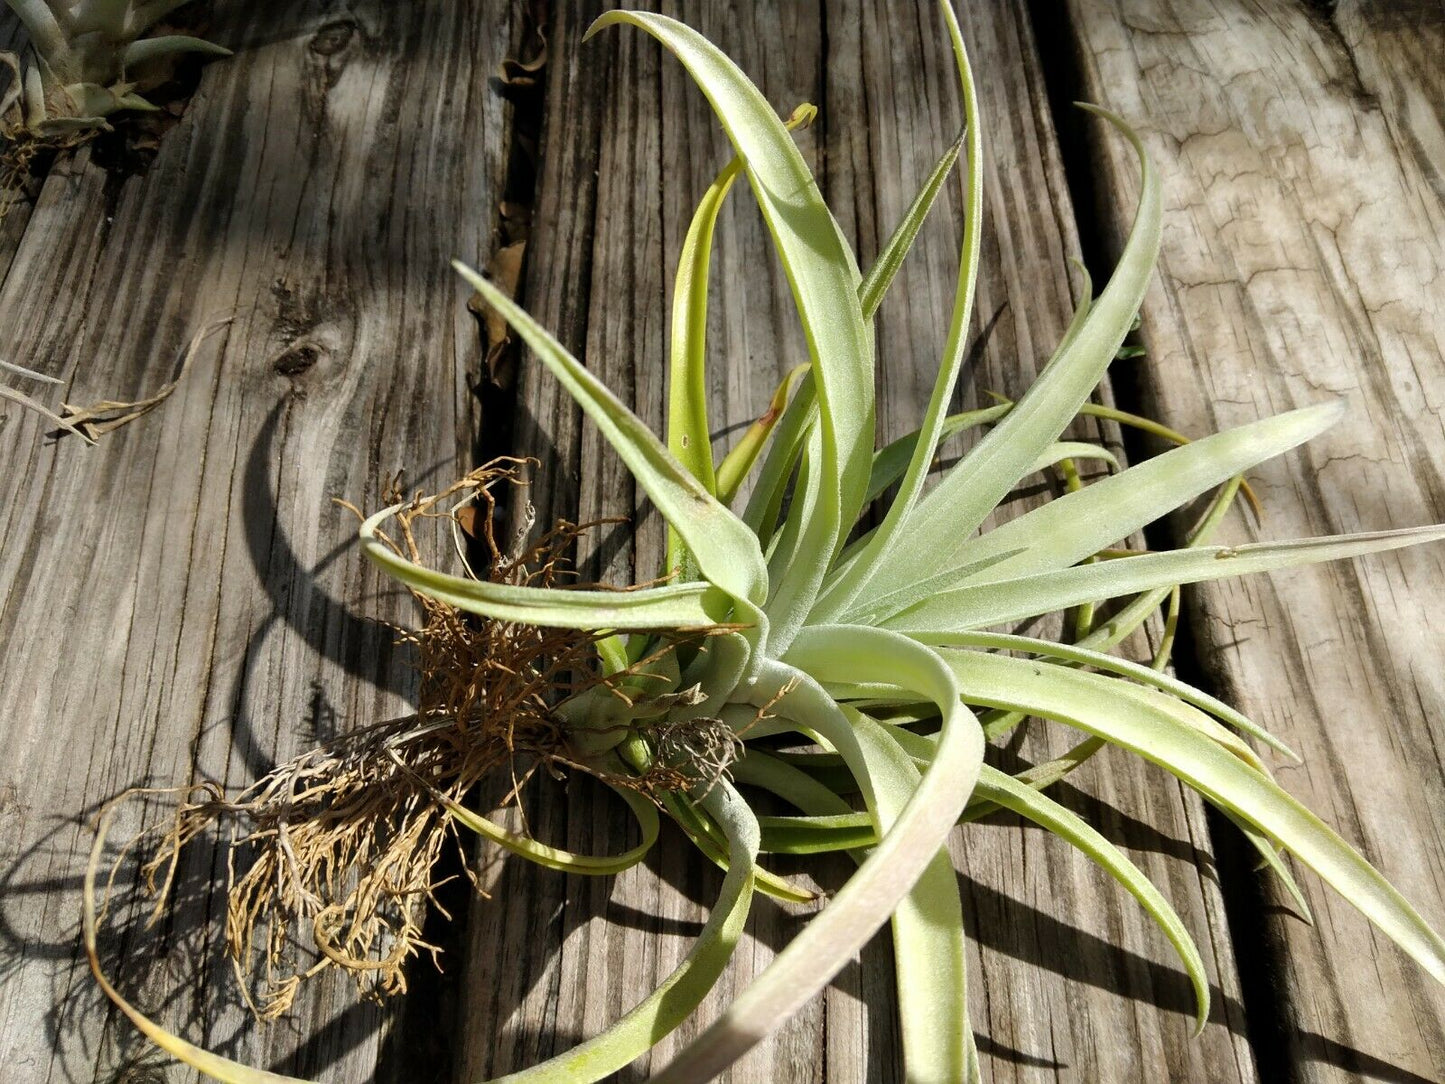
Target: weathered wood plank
[[553, 960], [1302, 261], [182, 602], [1071, 978]]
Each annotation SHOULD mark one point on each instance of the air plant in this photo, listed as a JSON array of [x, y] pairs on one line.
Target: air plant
[[784, 619], [90, 63]]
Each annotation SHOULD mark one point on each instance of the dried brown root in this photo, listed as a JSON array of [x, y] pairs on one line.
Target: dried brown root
[[699, 751], [340, 844], [332, 856], [16, 158]]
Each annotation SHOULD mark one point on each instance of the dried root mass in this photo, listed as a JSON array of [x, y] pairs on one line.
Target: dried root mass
[[331, 857]]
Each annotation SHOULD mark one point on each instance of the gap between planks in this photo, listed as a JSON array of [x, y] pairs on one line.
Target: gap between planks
[[1303, 160]]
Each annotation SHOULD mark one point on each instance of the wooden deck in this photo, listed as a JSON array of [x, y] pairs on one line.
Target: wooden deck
[[182, 602]]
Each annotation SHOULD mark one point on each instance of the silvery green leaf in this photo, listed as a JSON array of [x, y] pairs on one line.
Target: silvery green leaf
[[35, 109], [892, 460], [947, 517], [1069, 450], [689, 436], [1067, 825], [14, 95], [707, 838], [555, 857], [1020, 797], [673, 1000], [929, 953], [738, 463], [726, 552], [879, 548], [1145, 675], [101, 17], [880, 276], [765, 503], [816, 954], [684, 605], [91, 99], [135, 103], [987, 604], [1091, 703], [149, 49], [1067, 530], [47, 36], [824, 277], [146, 13]]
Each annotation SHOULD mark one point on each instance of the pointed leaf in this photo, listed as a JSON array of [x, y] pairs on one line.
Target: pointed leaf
[[765, 504], [47, 36], [1145, 675], [1067, 530], [845, 587], [945, 519], [1092, 703], [1065, 451], [824, 278], [726, 551], [892, 460], [705, 837], [689, 437], [928, 936], [823, 947], [555, 857], [143, 52], [980, 606], [1023, 800], [684, 605], [738, 463], [1003, 790], [880, 276], [675, 998]]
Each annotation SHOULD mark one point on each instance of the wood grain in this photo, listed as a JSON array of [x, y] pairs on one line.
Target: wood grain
[[183, 601], [1071, 979], [556, 959], [1303, 259], [1072, 982]]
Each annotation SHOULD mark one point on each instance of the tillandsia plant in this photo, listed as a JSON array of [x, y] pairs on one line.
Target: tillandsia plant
[[91, 62], [870, 650]]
